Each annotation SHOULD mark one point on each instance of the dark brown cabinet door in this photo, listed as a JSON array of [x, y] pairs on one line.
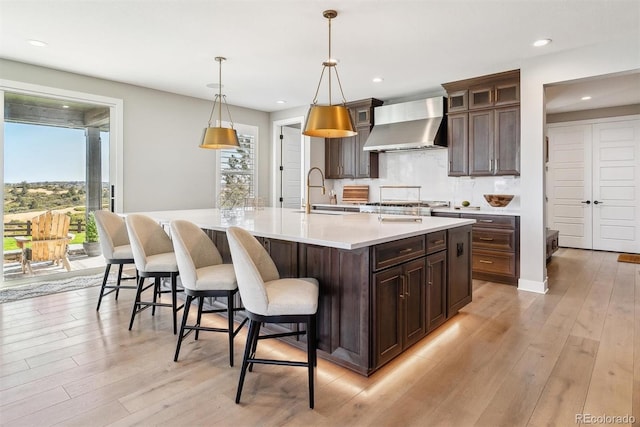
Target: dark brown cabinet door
[[481, 97], [333, 157], [415, 316], [348, 152], [481, 154], [436, 290], [506, 93], [366, 162], [507, 141], [457, 101], [388, 286], [458, 144], [459, 268], [400, 308]]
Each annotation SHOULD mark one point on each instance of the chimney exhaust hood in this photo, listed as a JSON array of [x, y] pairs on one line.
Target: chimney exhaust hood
[[409, 126]]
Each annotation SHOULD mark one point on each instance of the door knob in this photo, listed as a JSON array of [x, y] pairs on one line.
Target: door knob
[[587, 202], [595, 202]]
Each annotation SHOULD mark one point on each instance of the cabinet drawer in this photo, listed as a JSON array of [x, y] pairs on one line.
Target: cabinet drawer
[[494, 262], [499, 221], [436, 241], [392, 253], [495, 239]]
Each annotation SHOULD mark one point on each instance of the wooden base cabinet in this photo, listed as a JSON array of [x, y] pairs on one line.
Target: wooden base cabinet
[[374, 301], [496, 246], [459, 283]]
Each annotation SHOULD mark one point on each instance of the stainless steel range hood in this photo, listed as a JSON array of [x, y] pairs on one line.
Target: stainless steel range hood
[[409, 126]]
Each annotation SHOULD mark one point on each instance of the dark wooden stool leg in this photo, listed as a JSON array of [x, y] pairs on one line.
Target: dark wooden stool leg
[[311, 355], [136, 303], [247, 351], [230, 325], [120, 267], [104, 283], [184, 322]]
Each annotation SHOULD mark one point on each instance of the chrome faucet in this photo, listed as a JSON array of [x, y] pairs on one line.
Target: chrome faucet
[[307, 206]]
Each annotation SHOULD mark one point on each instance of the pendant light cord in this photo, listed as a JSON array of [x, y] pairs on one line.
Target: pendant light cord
[[220, 98], [330, 63]]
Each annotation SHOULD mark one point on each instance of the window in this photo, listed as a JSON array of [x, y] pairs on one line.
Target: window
[[238, 170]]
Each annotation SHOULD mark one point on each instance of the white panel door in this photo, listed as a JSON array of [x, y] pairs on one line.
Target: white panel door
[[569, 185], [291, 167], [616, 190], [593, 184]]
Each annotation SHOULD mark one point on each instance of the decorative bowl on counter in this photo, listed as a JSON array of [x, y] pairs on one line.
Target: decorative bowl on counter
[[498, 200]]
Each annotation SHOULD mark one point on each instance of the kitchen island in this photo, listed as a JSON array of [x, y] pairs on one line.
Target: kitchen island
[[383, 285]]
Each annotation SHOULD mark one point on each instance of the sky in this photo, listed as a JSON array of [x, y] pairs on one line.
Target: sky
[[35, 153]]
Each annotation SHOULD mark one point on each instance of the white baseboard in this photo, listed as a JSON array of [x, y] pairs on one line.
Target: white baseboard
[[533, 286]]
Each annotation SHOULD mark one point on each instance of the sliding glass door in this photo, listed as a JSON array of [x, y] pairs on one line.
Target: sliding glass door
[[58, 156]]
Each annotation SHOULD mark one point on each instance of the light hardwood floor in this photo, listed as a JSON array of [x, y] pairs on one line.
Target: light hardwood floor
[[509, 358]]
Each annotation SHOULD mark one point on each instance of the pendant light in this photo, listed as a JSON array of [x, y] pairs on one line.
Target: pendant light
[[329, 121], [218, 137]]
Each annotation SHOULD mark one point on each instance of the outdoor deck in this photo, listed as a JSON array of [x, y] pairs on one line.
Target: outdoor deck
[[80, 264]]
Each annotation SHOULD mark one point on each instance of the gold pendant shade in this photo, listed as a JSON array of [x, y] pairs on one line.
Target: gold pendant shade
[[218, 137], [329, 121]]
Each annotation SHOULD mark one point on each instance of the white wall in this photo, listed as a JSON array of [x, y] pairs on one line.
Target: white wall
[[606, 58], [163, 166]]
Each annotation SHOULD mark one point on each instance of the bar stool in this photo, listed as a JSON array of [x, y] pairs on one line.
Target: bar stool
[[116, 249], [269, 299], [154, 258], [203, 275]]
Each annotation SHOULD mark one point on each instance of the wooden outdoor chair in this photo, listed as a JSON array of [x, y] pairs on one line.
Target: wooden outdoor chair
[[49, 241]]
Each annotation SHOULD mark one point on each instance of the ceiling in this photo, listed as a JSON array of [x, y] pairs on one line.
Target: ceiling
[[275, 48]]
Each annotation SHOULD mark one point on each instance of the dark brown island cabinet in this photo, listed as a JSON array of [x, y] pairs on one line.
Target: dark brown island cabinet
[[484, 125], [344, 157], [496, 246], [377, 301]]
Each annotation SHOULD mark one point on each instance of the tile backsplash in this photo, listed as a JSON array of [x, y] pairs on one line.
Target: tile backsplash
[[428, 169]]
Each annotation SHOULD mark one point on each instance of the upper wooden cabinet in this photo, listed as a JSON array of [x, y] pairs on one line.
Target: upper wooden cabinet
[[344, 157], [506, 92], [484, 129]]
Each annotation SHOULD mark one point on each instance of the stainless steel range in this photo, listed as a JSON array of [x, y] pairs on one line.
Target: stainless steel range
[[415, 209]]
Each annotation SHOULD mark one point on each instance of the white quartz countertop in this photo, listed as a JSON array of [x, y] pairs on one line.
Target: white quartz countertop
[[344, 230], [481, 211]]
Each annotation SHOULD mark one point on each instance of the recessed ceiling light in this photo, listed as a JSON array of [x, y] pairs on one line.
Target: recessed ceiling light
[[377, 79], [280, 101], [65, 106], [585, 98], [541, 42], [37, 43]]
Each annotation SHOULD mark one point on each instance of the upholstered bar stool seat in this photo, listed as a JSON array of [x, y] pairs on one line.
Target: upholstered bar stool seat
[[269, 299], [116, 249], [155, 259], [203, 275]]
